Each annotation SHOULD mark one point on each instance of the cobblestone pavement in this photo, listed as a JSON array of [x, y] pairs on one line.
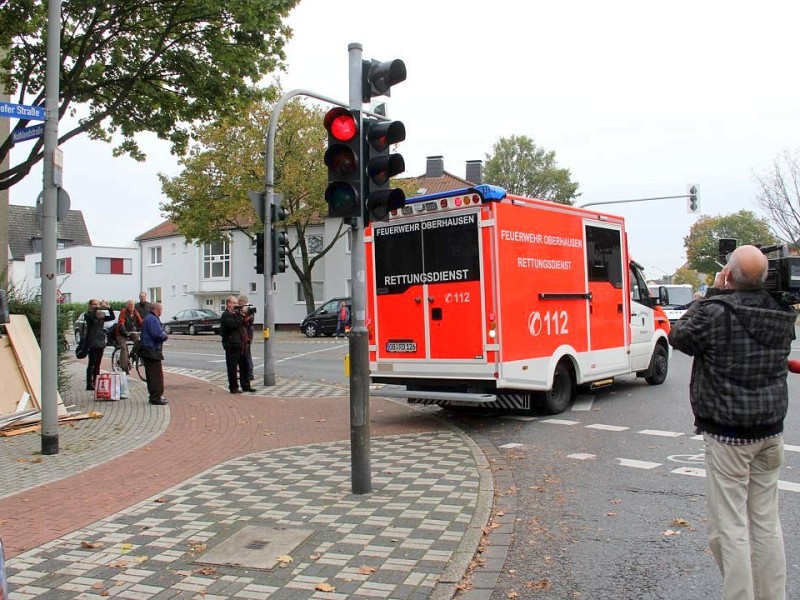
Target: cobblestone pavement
[[138, 503]]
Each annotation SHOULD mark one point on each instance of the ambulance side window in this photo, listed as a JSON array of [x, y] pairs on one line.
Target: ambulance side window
[[639, 291], [604, 255]]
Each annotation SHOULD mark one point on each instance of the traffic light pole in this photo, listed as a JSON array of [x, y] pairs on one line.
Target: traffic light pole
[[632, 200], [361, 477]]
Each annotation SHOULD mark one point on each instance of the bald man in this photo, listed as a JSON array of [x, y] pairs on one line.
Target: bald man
[[740, 338]]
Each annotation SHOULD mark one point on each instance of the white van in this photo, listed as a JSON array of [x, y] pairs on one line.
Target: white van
[[680, 296]]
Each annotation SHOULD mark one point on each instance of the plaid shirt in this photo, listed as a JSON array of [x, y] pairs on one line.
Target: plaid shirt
[[740, 342]]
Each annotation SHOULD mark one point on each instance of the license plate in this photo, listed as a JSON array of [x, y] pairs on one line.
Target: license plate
[[401, 346]]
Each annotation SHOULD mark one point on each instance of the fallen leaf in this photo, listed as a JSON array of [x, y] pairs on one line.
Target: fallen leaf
[[512, 595], [315, 556], [139, 559], [366, 570], [324, 587], [670, 532], [98, 585], [118, 564], [206, 570], [322, 420], [197, 547], [269, 433], [611, 514], [85, 544], [680, 522], [284, 560], [126, 547], [161, 500], [542, 584]]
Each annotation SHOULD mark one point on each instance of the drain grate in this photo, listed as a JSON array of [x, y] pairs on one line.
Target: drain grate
[[255, 547]]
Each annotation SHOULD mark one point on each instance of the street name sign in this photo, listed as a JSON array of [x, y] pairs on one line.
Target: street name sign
[[27, 133], [22, 111]]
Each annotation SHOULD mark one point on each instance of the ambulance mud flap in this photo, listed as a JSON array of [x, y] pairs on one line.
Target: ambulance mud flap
[[460, 397]]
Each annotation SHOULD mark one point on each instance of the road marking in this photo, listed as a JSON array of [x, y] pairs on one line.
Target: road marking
[[637, 464], [581, 456], [508, 446], [670, 434], [560, 422], [583, 403], [789, 486], [519, 418], [606, 427], [790, 448], [689, 471], [307, 354]]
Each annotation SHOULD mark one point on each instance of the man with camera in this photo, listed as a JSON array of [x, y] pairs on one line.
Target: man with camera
[[740, 337], [234, 337], [249, 312], [99, 312]]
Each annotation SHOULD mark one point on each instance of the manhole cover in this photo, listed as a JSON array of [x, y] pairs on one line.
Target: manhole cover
[[255, 547]]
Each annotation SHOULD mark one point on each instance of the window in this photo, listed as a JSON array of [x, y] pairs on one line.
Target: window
[[604, 255], [316, 287], [172, 290], [185, 289], [216, 260], [185, 247], [63, 266], [113, 266], [154, 294], [314, 244], [155, 255], [253, 287], [37, 270], [173, 247]]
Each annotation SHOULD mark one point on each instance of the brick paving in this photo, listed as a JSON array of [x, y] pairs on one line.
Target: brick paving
[[155, 487]]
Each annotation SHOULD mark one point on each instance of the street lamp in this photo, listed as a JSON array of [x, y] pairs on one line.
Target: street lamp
[[667, 277]]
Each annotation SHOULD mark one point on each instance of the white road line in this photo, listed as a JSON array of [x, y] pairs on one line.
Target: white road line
[[309, 353], [583, 403], [581, 456], [789, 486], [697, 437], [607, 427], [519, 418], [560, 422], [790, 448], [671, 434], [508, 446], [637, 464], [689, 471]]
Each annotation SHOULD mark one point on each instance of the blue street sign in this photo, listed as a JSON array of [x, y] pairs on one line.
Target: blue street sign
[[22, 111], [28, 133]]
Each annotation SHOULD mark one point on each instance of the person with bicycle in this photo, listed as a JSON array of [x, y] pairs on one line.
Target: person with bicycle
[[128, 326]]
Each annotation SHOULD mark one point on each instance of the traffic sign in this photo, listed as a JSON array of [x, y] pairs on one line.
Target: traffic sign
[[27, 133], [22, 111]]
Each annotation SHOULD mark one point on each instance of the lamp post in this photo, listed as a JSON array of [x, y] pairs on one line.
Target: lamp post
[[667, 277]]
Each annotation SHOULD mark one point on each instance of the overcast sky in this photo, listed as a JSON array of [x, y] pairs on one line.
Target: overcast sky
[[637, 99]]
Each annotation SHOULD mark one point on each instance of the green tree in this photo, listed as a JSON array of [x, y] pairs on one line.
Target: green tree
[[209, 198], [684, 275], [779, 196], [521, 167], [139, 65], [702, 243]]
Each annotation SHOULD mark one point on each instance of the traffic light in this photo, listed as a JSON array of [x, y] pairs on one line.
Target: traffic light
[[343, 161], [380, 199], [693, 203], [280, 250], [377, 77], [277, 212], [260, 253]]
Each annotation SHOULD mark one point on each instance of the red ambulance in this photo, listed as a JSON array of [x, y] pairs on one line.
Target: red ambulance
[[476, 296]]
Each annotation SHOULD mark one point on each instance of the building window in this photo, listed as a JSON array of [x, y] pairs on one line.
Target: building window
[[154, 294], [314, 244], [316, 287], [37, 270], [63, 266], [253, 287], [185, 289], [172, 291], [174, 247], [217, 260], [155, 255], [113, 266], [185, 247]]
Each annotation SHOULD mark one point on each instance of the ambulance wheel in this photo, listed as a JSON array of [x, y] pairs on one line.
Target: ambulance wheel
[[659, 364], [561, 395]]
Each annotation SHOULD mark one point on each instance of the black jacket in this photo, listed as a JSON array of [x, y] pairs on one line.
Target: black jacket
[[95, 331], [740, 342], [232, 329]]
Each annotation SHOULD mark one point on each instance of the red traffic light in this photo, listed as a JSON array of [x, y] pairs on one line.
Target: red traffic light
[[341, 160], [341, 124]]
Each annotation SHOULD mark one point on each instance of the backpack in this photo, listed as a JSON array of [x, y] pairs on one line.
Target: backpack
[[82, 349]]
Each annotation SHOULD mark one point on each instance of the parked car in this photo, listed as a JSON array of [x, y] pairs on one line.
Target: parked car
[[323, 320], [193, 321], [78, 327]]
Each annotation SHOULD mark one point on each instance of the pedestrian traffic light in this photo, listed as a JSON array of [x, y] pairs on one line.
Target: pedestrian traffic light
[[377, 77], [280, 250], [259, 253], [693, 202], [277, 212], [343, 159], [380, 198]]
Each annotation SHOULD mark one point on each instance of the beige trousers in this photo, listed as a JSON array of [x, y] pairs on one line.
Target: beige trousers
[[744, 529]]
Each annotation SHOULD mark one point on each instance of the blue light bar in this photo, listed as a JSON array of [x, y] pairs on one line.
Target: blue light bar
[[488, 193]]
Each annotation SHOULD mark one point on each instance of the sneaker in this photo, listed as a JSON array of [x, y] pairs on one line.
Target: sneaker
[[236, 391]]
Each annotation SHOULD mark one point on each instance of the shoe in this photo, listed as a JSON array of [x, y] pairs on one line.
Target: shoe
[[159, 401], [236, 391], [252, 377], [125, 397], [248, 389], [89, 388]]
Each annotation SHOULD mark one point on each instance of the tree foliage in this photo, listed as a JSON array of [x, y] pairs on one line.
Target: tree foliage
[[684, 275], [140, 65], [210, 196], [521, 167], [779, 196], [702, 243]]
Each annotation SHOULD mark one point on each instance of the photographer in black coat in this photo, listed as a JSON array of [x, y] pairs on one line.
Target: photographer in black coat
[[234, 337], [99, 312]]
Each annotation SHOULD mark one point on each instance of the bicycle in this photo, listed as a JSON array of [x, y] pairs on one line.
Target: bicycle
[[135, 363]]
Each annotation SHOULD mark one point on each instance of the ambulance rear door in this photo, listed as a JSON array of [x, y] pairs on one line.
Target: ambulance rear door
[[428, 293]]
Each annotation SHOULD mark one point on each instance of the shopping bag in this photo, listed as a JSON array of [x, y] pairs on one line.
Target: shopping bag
[[102, 387], [124, 390]]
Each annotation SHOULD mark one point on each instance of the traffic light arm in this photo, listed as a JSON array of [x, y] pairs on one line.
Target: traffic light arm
[[633, 200]]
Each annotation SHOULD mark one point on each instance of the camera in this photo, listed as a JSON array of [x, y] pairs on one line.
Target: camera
[[783, 270], [245, 309]]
